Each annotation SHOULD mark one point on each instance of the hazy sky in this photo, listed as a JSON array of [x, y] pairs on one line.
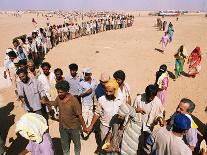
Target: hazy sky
[[104, 4]]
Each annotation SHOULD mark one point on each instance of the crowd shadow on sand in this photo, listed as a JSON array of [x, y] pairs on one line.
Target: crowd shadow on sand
[[171, 75], [159, 50], [185, 74], [6, 119], [57, 146], [18, 145]]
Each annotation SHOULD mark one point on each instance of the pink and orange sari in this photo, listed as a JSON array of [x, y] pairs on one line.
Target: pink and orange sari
[[194, 62]]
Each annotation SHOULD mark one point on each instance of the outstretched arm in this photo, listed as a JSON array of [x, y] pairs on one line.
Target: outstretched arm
[[82, 123], [95, 118], [88, 92]]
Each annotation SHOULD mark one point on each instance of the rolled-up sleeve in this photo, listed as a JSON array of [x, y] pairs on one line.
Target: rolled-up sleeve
[[41, 89], [20, 89], [191, 137], [98, 109]]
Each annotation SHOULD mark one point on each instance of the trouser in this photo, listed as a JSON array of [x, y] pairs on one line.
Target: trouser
[[66, 136], [87, 113], [103, 130], [142, 140]]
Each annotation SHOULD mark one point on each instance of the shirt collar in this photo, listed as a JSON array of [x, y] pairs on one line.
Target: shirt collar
[[30, 81]]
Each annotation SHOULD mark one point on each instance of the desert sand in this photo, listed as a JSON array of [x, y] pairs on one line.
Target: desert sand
[[131, 49]]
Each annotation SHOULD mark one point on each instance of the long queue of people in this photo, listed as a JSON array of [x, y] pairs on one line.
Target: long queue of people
[[121, 125], [34, 46], [82, 105]]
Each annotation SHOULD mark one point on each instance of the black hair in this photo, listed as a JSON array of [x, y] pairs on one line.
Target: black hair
[[190, 103], [45, 64], [29, 38], [62, 85], [41, 30], [162, 69], [23, 38], [73, 67], [22, 70], [15, 40], [34, 33], [58, 70], [12, 54], [23, 62], [151, 91], [119, 75]]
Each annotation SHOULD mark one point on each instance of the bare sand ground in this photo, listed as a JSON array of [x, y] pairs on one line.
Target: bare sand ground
[[131, 49]]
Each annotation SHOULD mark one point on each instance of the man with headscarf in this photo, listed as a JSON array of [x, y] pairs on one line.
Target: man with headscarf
[[186, 106], [107, 106], [164, 142], [123, 138]]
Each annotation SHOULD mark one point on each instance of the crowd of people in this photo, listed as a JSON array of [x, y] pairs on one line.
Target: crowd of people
[[121, 124], [194, 59], [34, 46]]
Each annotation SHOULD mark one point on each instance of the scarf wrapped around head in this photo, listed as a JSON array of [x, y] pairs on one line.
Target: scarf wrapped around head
[[113, 84], [196, 54], [32, 127]]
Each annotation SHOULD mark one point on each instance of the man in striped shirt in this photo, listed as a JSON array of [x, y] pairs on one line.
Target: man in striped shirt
[[30, 91]]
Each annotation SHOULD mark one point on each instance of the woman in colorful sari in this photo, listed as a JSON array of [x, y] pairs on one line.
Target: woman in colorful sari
[[180, 57], [194, 62], [170, 31], [162, 80], [164, 40]]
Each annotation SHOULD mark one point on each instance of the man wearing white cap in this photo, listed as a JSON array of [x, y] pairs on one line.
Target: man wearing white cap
[[7, 61], [87, 88]]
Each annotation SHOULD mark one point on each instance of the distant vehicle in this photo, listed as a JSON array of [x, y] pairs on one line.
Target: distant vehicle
[[169, 13], [153, 13]]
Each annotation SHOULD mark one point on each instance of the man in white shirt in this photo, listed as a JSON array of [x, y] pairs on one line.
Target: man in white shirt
[[47, 78], [107, 106], [149, 110], [87, 88]]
